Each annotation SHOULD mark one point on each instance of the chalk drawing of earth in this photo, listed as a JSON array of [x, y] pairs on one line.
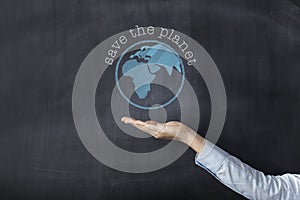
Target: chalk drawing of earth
[[146, 62]]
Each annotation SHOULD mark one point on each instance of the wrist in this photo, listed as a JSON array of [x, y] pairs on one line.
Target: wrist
[[190, 138], [193, 140]]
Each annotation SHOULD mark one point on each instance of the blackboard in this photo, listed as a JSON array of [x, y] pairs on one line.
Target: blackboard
[[255, 45]]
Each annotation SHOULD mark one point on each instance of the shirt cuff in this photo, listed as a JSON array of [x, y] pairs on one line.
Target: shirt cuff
[[211, 157]]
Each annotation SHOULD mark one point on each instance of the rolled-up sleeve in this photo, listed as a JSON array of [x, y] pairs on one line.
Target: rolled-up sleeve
[[244, 179]]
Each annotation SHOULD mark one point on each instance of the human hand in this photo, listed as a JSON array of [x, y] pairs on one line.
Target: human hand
[[170, 130]]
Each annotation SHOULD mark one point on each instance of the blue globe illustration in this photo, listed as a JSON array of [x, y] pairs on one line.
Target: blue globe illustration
[[144, 64]]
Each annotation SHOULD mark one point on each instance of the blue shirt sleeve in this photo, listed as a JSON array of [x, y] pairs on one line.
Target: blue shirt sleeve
[[244, 179]]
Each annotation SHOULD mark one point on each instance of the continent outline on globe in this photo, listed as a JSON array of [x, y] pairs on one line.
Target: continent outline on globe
[[146, 62], [143, 65]]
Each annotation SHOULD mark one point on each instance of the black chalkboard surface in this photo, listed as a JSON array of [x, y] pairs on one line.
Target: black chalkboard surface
[[255, 44]]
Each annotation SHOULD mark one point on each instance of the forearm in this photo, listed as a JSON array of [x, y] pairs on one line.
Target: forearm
[[198, 143]]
